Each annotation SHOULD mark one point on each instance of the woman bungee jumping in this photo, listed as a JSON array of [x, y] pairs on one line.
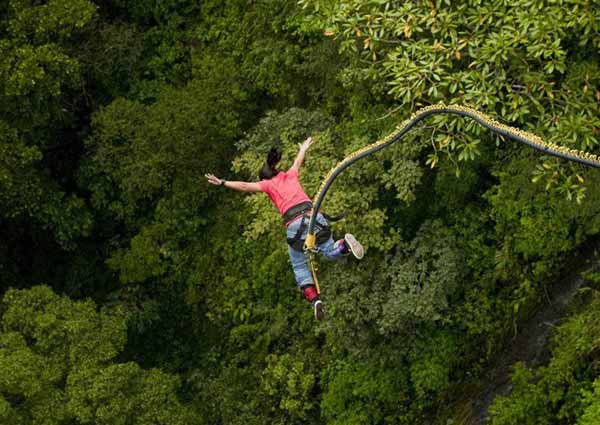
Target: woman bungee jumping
[[286, 192]]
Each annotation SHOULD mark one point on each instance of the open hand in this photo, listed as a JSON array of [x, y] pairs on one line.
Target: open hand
[[212, 179], [306, 144]]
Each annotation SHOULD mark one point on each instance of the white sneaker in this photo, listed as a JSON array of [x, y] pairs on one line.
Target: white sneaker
[[319, 310], [355, 247]]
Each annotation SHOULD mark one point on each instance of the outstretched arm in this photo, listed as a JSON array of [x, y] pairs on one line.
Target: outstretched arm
[[239, 186], [300, 157]]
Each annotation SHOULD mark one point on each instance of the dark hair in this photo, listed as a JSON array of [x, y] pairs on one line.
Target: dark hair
[[268, 170]]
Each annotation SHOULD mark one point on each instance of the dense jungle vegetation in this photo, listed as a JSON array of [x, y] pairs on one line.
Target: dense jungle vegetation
[[134, 293]]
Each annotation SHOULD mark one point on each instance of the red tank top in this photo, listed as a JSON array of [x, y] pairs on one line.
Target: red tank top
[[284, 190]]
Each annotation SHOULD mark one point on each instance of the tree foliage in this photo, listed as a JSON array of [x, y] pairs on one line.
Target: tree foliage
[[112, 111], [58, 359]]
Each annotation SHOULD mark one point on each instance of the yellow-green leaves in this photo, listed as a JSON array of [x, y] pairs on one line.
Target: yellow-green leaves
[[125, 393], [53, 20], [57, 358], [563, 179], [288, 386], [422, 279]]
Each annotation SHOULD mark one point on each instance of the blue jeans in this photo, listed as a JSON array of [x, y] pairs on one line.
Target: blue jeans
[[330, 249]]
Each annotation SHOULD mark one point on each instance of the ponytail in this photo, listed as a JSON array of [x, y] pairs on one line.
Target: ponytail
[[269, 170]]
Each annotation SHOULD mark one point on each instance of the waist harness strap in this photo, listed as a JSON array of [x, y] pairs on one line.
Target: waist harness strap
[[296, 210], [305, 206], [323, 234]]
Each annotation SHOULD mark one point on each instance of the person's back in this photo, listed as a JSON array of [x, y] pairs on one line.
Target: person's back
[[284, 190]]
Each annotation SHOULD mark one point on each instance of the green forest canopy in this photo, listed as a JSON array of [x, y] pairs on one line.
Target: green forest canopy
[[134, 293]]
